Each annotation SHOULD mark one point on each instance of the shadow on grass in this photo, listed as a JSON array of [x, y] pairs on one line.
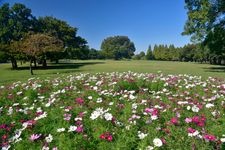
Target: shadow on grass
[[215, 69], [60, 66]]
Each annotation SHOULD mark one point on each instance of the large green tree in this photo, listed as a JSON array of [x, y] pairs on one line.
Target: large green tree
[[66, 33], [15, 22], [117, 47], [215, 41], [203, 16], [206, 24]]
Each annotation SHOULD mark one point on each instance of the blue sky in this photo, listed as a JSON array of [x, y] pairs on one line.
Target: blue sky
[[145, 22]]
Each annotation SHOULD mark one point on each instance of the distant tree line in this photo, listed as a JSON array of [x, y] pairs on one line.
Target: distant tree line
[[206, 26], [189, 52]]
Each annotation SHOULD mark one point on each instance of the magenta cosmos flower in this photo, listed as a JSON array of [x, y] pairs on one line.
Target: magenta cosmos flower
[[209, 137], [34, 137], [174, 120]]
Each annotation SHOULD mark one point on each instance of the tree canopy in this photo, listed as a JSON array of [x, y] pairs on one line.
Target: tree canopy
[[206, 25], [117, 47], [203, 16], [15, 22], [36, 45]]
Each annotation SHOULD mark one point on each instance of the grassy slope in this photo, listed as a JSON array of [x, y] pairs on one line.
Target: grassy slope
[[93, 66]]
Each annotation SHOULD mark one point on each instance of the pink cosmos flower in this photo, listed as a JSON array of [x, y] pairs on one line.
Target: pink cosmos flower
[[191, 130], [109, 138], [106, 136], [79, 101], [201, 124], [30, 122], [4, 137], [163, 140], [199, 121], [209, 137], [174, 120], [39, 113], [78, 122], [188, 120], [195, 119], [68, 108], [148, 110], [79, 129], [3, 126], [34, 137], [67, 117], [81, 114], [155, 112]]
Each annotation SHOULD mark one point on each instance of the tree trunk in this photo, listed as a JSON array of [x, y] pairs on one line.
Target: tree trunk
[[56, 61], [31, 69], [35, 63], [44, 63], [14, 63], [219, 60]]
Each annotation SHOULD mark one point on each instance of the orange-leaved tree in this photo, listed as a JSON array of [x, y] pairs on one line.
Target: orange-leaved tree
[[36, 45]]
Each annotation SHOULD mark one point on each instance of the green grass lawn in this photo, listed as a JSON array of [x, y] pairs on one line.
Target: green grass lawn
[[93, 66]]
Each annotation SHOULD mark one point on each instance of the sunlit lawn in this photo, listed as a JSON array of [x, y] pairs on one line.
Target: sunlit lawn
[[94, 66]]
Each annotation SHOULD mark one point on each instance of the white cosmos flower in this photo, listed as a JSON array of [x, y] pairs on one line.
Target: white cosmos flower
[[99, 100], [10, 111], [6, 147], [132, 97], [195, 108], [98, 113], [45, 148], [193, 134], [95, 115], [47, 104], [78, 118], [108, 116], [182, 102], [61, 130], [134, 106], [149, 148], [66, 110], [154, 117], [157, 142], [188, 107], [209, 105], [141, 135], [41, 116], [214, 113], [157, 97], [18, 140], [49, 138], [222, 140], [15, 104], [18, 93], [111, 103], [72, 128]]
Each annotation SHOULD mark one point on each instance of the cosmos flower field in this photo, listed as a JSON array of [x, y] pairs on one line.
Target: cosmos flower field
[[113, 111]]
